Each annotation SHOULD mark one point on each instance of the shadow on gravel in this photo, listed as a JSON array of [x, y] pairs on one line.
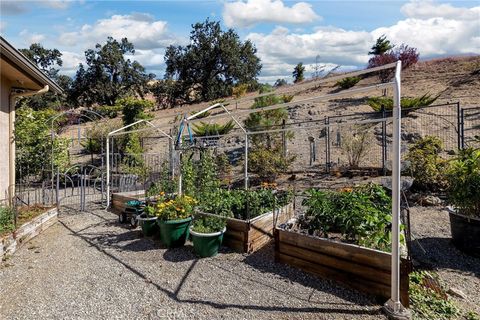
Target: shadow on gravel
[[440, 253], [182, 254], [263, 260], [174, 294]]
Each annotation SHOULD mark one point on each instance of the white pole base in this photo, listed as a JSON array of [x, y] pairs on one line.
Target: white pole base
[[396, 311]]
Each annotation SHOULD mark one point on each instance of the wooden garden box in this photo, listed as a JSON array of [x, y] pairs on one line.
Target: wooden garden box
[[250, 235], [361, 268], [120, 198]]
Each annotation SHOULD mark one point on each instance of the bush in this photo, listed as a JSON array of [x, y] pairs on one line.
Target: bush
[[266, 157], [408, 55], [7, 219], [268, 163], [463, 178], [347, 83], [356, 142], [108, 111], [280, 83], [361, 215], [426, 166], [212, 129], [407, 104]]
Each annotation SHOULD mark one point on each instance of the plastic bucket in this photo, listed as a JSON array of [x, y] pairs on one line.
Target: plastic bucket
[[207, 244], [174, 233]]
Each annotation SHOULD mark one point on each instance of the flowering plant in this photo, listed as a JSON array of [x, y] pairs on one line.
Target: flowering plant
[[175, 209]]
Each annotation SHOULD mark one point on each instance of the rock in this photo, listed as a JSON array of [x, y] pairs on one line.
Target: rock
[[430, 201], [311, 112], [457, 293]]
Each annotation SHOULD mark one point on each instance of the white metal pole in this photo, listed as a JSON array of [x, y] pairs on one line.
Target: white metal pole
[[108, 171], [246, 162], [394, 307]]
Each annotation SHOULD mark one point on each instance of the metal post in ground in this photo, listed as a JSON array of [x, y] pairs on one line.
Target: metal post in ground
[[245, 169], [462, 125], [393, 307], [384, 141], [327, 145], [459, 129]]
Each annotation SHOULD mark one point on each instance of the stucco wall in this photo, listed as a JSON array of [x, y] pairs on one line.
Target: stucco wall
[[4, 142]]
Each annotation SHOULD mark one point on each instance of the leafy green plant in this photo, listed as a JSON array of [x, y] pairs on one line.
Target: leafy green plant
[[407, 104], [347, 83], [426, 166], [268, 163], [361, 215], [463, 178], [212, 129], [242, 204], [7, 219], [207, 224], [426, 303]]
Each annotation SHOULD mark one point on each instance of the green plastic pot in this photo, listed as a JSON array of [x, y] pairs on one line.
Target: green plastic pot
[[148, 224], [174, 233], [207, 244]]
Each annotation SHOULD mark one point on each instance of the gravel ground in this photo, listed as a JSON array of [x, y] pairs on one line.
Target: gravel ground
[[88, 266], [431, 228]]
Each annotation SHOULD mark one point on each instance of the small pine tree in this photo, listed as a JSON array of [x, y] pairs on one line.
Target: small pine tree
[[298, 73], [383, 45]]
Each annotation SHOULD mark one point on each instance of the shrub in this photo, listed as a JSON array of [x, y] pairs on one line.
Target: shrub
[[7, 219], [426, 166], [425, 302], [268, 163], [361, 215], [463, 178], [239, 90], [280, 83], [266, 157], [347, 83], [108, 111], [212, 129], [96, 135], [408, 55], [407, 104], [356, 142]]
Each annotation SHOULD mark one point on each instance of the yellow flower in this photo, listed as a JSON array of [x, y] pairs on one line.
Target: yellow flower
[[162, 193]]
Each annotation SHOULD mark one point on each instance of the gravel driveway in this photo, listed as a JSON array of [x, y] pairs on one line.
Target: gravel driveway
[[88, 266]]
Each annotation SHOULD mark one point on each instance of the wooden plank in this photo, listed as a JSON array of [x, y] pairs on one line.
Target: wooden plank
[[259, 243], [234, 234], [374, 258], [346, 279], [235, 245], [342, 265]]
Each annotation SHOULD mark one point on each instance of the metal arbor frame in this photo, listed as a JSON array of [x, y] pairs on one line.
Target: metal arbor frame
[[121, 131], [393, 306]]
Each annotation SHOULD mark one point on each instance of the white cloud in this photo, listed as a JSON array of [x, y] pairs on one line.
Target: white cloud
[[251, 12], [71, 60], [434, 29], [425, 9], [140, 29], [30, 38]]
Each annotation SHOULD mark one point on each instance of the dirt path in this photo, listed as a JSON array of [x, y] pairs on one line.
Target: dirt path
[[89, 267]]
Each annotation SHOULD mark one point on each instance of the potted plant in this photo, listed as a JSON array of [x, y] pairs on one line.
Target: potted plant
[[148, 221], [207, 235], [464, 195], [173, 218]]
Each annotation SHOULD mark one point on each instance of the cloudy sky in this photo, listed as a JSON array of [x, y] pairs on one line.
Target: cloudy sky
[[284, 32]]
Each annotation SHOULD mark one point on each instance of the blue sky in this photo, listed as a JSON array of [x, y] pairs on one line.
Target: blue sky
[[284, 32]]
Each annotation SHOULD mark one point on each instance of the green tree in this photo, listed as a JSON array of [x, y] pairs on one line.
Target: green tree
[[382, 46], [34, 144], [298, 73], [48, 60], [213, 62], [108, 75]]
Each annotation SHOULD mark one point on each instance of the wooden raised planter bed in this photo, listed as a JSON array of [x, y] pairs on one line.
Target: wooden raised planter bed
[[250, 235], [361, 268], [119, 199], [12, 242]]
